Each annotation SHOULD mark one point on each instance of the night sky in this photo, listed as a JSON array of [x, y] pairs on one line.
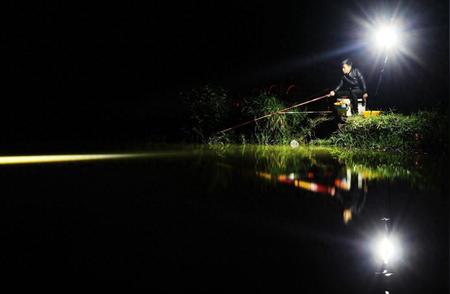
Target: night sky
[[118, 68]]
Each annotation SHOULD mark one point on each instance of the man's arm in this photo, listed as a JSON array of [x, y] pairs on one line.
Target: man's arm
[[333, 92], [363, 83], [361, 80]]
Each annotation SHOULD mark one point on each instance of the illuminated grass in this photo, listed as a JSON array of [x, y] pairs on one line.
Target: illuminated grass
[[426, 131]]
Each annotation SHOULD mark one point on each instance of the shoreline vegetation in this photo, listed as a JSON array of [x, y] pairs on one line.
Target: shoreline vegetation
[[423, 131], [423, 171], [211, 109]]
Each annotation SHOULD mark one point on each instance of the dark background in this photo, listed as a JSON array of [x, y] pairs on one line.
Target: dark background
[[113, 72]]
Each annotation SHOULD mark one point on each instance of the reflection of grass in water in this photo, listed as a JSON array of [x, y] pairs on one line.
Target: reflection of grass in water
[[274, 158], [419, 170], [375, 165], [415, 169]]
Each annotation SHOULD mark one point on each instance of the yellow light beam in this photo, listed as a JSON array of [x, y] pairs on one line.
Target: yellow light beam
[[30, 159]]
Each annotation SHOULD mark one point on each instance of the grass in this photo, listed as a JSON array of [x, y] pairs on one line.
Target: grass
[[421, 131], [210, 110], [277, 129]]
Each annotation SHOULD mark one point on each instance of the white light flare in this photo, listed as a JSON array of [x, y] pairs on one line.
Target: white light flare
[[387, 37], [387, 249]]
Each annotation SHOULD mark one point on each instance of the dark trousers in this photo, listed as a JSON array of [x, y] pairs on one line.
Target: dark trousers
[[353, 94]]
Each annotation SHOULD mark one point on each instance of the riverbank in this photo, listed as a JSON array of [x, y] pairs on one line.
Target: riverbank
[[424, 131]]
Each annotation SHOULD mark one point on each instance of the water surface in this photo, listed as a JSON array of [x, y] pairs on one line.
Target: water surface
[[227, 219]]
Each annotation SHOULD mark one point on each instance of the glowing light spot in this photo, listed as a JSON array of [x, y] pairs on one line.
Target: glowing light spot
[[387, 249], [387, 37]]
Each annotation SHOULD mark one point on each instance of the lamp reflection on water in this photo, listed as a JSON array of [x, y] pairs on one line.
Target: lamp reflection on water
[[387, 249], [350, 189]]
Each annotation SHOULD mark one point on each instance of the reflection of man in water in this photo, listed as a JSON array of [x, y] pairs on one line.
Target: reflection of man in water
[[353, 197], [352, 85]]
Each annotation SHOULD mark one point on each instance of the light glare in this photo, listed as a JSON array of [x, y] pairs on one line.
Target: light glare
[[387, 37], [387, 249]]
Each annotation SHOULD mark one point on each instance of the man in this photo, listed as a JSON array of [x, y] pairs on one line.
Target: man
[[352, 85]]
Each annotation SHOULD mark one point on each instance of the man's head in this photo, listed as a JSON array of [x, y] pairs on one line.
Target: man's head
[[346, 65]]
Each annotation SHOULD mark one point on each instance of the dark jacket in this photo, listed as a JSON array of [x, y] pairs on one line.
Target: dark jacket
[[354, 79]]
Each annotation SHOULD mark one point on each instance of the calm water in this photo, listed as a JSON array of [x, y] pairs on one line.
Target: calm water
[[216, 219]]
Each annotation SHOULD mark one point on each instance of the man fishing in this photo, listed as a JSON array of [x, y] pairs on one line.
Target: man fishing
[[352, 85]]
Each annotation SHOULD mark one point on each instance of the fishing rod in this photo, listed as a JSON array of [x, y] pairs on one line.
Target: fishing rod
[[307, 112], [273, 113]]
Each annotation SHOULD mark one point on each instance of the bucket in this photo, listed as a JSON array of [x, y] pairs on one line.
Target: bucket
[[343, 106], [361, 106]]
